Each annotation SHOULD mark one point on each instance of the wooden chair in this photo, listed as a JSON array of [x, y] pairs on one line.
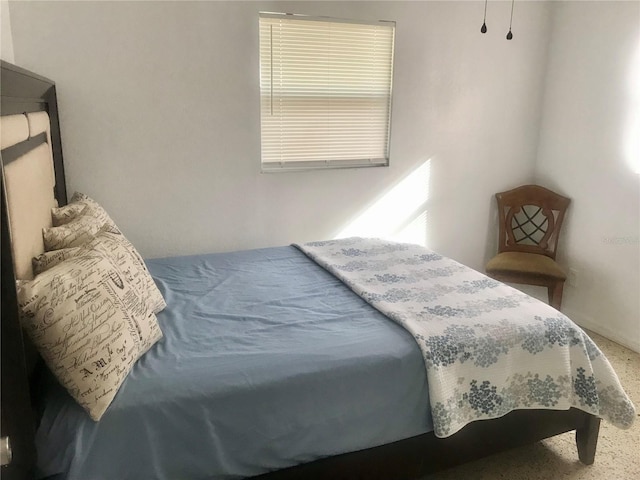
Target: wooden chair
[[530, 218]]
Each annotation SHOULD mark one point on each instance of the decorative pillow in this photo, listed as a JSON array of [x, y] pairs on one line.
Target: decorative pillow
[[90, 326], [79, 205], [73, 234], [116, 246], [62, 215], [76, 223], [46, 260]]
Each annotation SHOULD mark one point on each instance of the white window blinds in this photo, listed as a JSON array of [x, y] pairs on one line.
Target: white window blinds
[[325, 90]]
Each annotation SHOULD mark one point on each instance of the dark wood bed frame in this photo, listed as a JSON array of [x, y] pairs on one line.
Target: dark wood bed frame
[[22, 91]]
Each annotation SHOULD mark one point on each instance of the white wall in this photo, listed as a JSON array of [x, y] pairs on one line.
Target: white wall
[[592, 93], [160, 116], [6, 39], [159, 107]]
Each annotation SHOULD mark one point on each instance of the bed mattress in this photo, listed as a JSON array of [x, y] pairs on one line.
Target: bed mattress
[[267, 361]]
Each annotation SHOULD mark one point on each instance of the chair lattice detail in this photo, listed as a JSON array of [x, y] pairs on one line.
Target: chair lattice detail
[[529, 227]]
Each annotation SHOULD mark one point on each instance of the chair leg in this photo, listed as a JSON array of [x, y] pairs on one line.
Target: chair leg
[[555, 294]]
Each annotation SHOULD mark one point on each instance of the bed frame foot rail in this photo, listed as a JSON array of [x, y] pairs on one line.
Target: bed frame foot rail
[[587, 439], [418, 456]]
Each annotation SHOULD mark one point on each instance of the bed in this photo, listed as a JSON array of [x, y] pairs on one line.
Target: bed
[[257, 374]]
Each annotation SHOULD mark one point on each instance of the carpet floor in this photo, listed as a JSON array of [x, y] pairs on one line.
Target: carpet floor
[[617, 455]]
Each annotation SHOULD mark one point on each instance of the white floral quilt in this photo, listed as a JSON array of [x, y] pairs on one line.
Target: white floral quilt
[[488, 348]]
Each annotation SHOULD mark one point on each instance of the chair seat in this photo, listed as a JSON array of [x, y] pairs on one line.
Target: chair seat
[[520, 263]]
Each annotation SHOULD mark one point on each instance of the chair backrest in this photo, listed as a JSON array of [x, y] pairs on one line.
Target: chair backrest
[[530, 219]]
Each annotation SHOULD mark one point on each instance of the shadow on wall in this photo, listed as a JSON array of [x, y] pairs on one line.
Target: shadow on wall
[[400, 214], [491, 244]]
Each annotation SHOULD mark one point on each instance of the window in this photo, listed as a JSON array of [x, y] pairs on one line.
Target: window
[[325, 92]]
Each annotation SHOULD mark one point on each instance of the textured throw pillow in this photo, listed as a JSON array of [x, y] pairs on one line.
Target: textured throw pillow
[[79, 205], [46, 260], [90, 326], [73, 234], [62, 215], [76, 223], [116, 246]]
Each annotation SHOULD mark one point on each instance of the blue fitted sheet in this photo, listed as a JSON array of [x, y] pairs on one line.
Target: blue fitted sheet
[[267, 361]]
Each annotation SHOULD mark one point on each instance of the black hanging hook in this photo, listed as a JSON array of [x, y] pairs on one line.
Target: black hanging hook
[[483, 29], [510, 35]]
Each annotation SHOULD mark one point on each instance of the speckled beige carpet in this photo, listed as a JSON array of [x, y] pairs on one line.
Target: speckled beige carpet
[[617, 455]]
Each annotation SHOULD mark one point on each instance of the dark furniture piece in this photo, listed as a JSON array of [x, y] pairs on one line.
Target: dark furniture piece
[[530, 218], [405, 459], [22, 92]]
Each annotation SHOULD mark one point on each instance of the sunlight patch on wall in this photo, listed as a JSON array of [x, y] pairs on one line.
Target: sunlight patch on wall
[[632, 135], [414, 232], [400, 215]]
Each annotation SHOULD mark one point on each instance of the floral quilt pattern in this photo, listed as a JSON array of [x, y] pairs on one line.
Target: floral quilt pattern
[[488, 348]]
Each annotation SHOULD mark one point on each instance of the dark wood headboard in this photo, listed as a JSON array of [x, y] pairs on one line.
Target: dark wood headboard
[[21, 92]]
